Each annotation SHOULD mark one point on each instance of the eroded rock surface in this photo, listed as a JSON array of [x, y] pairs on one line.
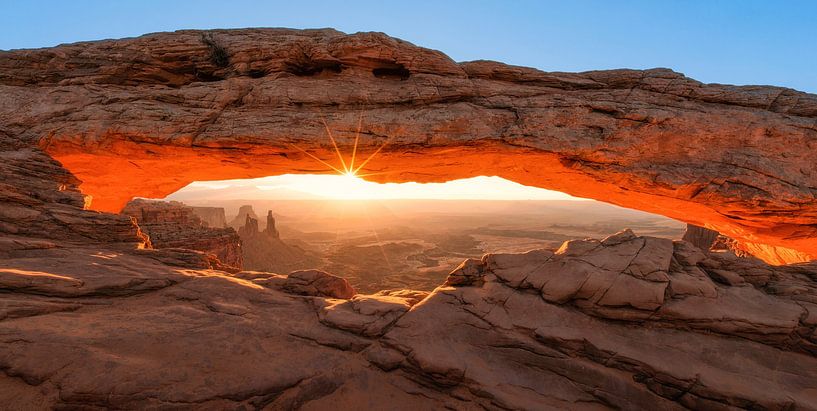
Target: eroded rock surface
[[700, 237], [707, 239], [318, 283], [40, 202], [540, 330], [146, 116]]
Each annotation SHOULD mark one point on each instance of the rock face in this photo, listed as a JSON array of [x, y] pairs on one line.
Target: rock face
[[700, 237], [40, 200], [270, 229], [175, 225], [626, 322], [245, 212], [705, 239], [265, 251], [146, 116], [212, 216], [250, 228]]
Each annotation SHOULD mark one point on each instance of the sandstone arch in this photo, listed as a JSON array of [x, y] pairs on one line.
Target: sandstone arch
[[146, 116]]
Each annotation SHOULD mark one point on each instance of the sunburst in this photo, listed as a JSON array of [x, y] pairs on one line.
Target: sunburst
[[347, 170], [351, 171]]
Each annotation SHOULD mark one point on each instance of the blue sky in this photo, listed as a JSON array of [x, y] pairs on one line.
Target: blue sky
[[736, 42]]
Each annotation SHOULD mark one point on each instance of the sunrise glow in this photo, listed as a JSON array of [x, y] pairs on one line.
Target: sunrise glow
[[349, 187]]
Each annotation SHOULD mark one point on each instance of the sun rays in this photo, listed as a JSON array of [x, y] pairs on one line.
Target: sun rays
[[345, 169], [352, 182]]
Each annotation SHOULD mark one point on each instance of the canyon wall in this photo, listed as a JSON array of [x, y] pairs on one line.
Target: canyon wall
[[212, 216], [148, 115], [175, 225]]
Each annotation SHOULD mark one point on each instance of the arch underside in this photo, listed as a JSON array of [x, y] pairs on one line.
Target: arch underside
[[739, 160]]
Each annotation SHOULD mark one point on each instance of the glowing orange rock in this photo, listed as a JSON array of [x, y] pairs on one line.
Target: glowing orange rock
[[146, 116]]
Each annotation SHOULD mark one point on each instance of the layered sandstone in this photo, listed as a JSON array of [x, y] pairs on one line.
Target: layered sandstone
[[175, 225], [146, 116], [626, 322], [40, 202], [707, 239], [700, 237]]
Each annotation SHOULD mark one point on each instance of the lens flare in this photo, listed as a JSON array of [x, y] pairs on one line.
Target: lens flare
[[347, 170]]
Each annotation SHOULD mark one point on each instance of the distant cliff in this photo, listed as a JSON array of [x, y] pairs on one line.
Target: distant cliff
[[176, 225], [212, 216], [265, 251], [241, 219]]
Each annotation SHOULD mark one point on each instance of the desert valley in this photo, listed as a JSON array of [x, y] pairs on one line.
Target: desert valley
[[381, 245]]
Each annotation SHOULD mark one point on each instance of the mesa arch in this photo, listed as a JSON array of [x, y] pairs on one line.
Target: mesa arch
[[145, 116]]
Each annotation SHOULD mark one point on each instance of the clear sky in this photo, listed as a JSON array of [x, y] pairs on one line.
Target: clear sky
[[714, 41], [722, 41]]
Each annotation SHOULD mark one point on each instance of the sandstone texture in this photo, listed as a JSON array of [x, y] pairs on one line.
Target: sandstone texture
[[626, 322], [707, 239], [175, 225], [148, 115], [700, 237], [39, 199]]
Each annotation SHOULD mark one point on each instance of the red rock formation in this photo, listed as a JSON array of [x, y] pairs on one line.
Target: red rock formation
[[627, 322], [705, 239], [265, 251], [212, 216], [175, 225], [270, 229], [700, 237], [146, 116], [250, 228], [245, 212], [318, 283], [40, 200]]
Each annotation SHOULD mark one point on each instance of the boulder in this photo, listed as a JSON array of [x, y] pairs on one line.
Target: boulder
[[318, 283]]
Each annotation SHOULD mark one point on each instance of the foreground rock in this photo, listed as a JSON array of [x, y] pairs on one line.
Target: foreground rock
[[627, 322], [148, 115]]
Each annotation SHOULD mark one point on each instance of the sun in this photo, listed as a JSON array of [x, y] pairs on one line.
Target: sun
[[348, 186], [352, 179]]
